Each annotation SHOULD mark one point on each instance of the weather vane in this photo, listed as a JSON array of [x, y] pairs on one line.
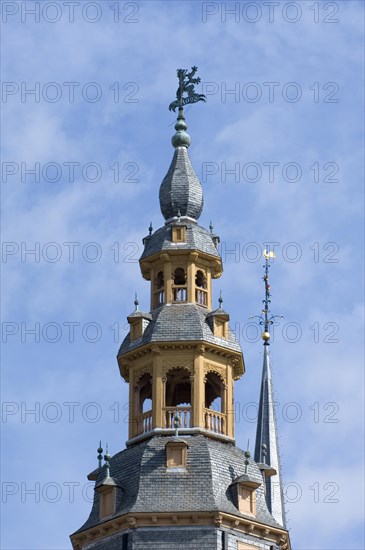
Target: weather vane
[[265, 319], [186, 85]]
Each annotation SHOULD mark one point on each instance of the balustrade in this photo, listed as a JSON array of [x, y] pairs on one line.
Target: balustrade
[[183, 413], [214, 421]]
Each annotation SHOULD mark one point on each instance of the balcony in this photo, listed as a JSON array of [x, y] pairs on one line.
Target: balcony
[[179, 293], [183, 414], [215, 421], [201, 297], [143, 423]]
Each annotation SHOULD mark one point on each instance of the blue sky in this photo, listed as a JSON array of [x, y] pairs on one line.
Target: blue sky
[[292, 131]]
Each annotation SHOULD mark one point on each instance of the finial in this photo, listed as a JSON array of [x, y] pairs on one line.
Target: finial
[[220, 300], [186, 85], [100, 454], [107, 458], [176, 424], [150, 229], [136, 302], [211, 227], [263, 452], [178, 214], [247, 456], [265, 319]]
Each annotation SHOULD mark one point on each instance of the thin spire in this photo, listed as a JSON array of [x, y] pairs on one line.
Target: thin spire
[[266, 447], [220, 299], [136, 302]]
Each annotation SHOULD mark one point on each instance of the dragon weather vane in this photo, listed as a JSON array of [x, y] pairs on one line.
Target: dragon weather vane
[[186, 85]]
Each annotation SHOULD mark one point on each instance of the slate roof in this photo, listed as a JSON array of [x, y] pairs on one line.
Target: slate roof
[[207, 484], [197, 238], [181, 191], [180, 322]]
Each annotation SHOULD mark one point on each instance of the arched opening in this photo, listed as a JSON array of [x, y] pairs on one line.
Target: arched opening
[[214, 403], [179, 289], [143, 404], [201, 296], [178, 398], [159, 294]]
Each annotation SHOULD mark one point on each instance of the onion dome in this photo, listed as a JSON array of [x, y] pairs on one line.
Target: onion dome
[[181, 193]]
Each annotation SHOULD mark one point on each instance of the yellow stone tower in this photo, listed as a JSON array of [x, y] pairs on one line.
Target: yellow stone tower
[[181, 482]]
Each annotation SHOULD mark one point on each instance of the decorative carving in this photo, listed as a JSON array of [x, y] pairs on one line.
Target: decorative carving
[[155, 349], [177, 364], [140, 371], [283, 542], [132, 522], [219, 370], [218, 519]]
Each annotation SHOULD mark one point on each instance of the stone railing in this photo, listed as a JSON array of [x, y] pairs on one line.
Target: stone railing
[[215, 421], [179, 293], [183, 414], [144, 423], [201, 297]]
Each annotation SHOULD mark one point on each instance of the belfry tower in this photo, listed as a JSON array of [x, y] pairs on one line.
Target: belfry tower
[[181, 482]]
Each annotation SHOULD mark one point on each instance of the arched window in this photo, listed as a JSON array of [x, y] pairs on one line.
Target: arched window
[[179, 276], [178, 398], [159, 294], [214, 403], [179, 289], [200, 279], [143, 404], [201, 295], [160, 279]]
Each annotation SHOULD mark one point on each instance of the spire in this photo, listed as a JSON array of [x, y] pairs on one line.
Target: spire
[[181, 191], [267, 448]]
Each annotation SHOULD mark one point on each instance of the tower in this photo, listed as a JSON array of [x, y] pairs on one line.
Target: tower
[[181, 482]]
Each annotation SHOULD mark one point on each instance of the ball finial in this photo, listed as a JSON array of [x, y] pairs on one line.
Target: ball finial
[[181, 138]]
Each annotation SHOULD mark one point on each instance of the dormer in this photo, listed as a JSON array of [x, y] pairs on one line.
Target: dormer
[[218, 321], [245, 494], [107, 489], [176, 451], [138, 322], [108, 493], [178, 233]]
